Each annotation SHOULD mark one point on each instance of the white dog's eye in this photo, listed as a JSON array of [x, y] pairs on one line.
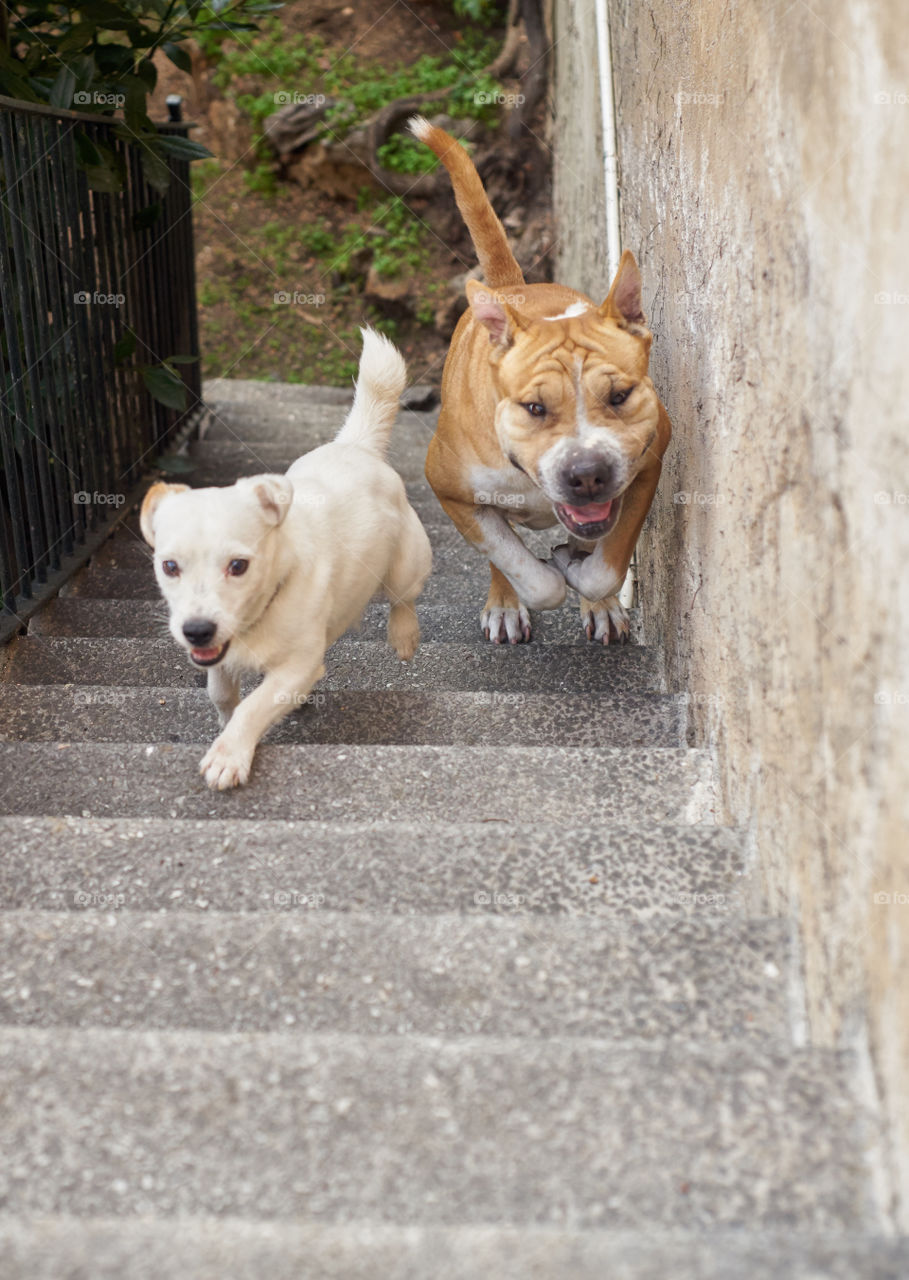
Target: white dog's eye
[[171, 568], [535, 409], [237, 567]]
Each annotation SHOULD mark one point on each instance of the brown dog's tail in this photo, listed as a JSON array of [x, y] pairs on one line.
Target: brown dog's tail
[[486, 231]]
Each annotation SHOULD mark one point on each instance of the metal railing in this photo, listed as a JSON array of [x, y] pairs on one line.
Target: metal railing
[[81, 271]]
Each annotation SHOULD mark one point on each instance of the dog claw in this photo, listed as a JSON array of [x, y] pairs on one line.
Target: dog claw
[[222, 770], [606, 621], [506, 625]]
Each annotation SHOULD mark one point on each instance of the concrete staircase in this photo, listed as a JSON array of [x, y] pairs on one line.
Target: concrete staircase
[[462, 985]]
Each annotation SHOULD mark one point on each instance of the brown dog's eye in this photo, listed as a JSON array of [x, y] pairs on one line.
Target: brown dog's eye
[[237, 567], [171, 568], [619, 397], [535, 409]]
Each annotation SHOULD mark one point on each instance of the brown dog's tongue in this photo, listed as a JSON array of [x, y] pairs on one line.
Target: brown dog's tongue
[[593, 513]]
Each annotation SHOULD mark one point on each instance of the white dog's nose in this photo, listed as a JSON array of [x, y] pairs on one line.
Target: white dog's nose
[[199, 631]]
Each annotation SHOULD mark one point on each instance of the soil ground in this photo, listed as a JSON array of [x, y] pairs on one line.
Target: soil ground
[[254, 248]]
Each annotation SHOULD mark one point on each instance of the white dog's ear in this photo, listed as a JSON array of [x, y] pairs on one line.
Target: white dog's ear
[[274, 495], [497, 314], [152, 502]]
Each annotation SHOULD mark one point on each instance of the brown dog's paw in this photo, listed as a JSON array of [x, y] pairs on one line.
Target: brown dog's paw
[[605, 621], [505, 625]]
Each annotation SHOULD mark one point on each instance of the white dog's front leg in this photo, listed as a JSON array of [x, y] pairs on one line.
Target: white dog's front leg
[[228, 761], [224, 691], [539, 585]]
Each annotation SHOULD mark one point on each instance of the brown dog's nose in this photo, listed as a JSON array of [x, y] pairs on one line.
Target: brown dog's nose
[[589, 480]]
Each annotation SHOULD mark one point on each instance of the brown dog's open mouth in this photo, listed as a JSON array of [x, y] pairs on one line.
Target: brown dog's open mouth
[[591, 521], [209, 657]]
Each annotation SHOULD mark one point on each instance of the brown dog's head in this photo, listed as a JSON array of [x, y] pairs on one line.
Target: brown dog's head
[[576, 411]]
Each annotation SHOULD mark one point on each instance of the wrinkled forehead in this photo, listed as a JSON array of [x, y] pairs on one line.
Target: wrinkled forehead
[[583, 357]]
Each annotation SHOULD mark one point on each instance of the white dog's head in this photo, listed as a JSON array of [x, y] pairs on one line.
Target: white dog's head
[[216, 557]]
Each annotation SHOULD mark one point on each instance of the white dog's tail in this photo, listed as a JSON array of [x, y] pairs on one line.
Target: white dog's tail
[[380, 381]]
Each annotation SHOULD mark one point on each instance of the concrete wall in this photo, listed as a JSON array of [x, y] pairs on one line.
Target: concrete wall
[[765, 189]]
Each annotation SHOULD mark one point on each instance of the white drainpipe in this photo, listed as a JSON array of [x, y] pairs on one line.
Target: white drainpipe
[[611, 182]]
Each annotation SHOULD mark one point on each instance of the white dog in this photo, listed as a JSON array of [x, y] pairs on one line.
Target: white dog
[[263, 576]]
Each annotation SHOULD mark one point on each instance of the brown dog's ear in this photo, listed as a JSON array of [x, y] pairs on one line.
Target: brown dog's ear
[[150, 505], [624, 304], [495, 312]]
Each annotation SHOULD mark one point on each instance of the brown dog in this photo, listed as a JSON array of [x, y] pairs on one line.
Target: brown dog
[[548, 416]]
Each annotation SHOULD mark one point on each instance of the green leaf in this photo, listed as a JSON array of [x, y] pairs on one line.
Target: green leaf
[[164, 385], [147, 217], [61, 94], [175, 465], [125, 347], [104, 177], [178, 56], [182, 360], [156, 169], [77, 37], [174, 144], [147, 73], [14, 85], [87, 154]]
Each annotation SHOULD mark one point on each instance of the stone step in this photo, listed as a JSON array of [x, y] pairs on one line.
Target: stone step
[[92, 713], [573, 1133], [304, 968], [49, 1247], [224, 460], [614, 870], [86, 616], [360, 784], [496, 670]]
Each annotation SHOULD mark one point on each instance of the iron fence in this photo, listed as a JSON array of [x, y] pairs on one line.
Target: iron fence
[[93, 286]]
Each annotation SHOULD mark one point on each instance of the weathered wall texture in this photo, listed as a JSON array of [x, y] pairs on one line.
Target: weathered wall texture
[[765, 189]]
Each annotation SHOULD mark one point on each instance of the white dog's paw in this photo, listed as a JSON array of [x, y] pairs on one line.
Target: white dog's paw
[[605, 620], [504, 625], [224, 767]]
